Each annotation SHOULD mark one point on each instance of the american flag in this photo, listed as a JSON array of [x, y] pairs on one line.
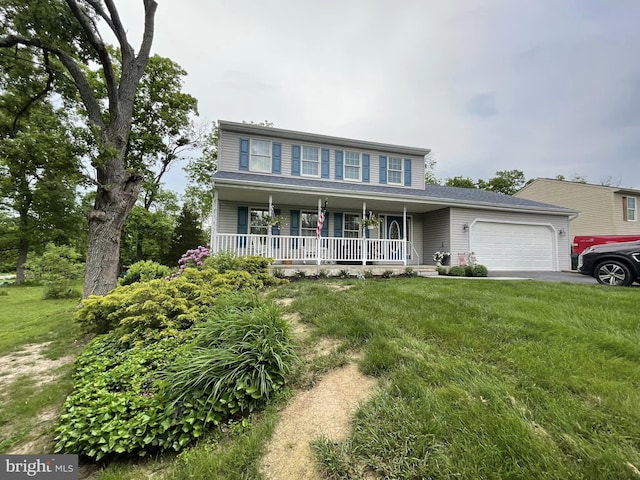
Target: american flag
[[321, 217]]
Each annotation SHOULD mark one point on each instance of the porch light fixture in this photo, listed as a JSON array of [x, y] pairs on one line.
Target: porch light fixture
[[561, 232], [465, 227]]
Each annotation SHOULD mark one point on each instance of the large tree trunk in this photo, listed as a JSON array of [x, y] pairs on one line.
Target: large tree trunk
[[117, 193], [23, 250]]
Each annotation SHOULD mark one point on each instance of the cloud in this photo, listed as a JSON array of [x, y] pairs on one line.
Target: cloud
[[482, 105]]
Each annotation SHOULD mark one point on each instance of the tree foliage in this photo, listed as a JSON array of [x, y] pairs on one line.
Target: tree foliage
[[188, 234], [460, 181], [68, 32], [507, 182]]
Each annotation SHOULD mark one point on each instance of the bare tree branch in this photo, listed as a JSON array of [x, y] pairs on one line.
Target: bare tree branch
[[101, 49], [118, 29]]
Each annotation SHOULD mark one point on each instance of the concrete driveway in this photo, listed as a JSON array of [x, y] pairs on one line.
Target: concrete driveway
[[565, 276]]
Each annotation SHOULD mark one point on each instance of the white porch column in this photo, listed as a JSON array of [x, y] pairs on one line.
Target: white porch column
[[319, 237], [404, 230], [214, 221], [363, 252], [269, 228]]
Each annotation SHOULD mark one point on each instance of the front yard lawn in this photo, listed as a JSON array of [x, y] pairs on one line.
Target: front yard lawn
[[486, 379]]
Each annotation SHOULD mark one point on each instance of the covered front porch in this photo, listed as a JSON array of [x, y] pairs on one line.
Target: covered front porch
[[308, 250]]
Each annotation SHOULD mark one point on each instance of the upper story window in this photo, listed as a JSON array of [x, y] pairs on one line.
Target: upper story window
[[351, 227], [352, 166], [260, 158], [394, 170], [308, 223], [257, 226], [630, 209], [310, 161]]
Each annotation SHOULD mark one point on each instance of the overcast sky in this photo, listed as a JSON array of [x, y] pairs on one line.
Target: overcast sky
[[549, 87]]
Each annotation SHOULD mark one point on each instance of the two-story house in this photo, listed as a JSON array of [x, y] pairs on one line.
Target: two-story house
[[300, 177], [604, 210]]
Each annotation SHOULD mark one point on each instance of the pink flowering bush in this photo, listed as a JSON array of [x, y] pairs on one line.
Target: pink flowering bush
[[193, 258]]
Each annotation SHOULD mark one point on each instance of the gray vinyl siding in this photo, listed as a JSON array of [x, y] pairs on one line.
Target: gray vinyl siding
[[229, 153], [460, 236], [436, 231]]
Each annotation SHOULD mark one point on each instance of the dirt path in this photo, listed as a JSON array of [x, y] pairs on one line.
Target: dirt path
[[326, 410]]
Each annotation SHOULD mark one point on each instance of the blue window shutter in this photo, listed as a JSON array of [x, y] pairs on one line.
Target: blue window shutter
[[276, 158], [295, 160], [338, 174], [295, 222], [407, 172], [325, 226], [244, 154], [243, 224], [274, 229], [383, 169], [365, 167], [243, 220], [325, 163], [337, 224]]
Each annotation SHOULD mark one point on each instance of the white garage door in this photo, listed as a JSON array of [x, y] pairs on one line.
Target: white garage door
[[507, 246]]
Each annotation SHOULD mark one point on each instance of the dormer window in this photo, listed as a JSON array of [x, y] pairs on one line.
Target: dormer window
[[260, 158]]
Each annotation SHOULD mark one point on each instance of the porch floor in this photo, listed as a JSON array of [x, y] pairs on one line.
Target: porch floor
[[336, 270]]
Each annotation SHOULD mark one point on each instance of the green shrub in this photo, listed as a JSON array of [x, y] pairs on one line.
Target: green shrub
[[480, 271], [116, 406], [468, 271], [299, 274], [57, 268], [442, 270], [457, 271], [162, 306], [387, 274], [223, 261], [162, 395], [323, 273], [242, 356], [144, 271], [408, 271], [368, 274]]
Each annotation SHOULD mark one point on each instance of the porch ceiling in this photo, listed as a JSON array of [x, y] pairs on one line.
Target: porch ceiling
[[343, 200]]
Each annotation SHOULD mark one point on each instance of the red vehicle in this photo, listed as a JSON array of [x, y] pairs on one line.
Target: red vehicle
[[581, 243]]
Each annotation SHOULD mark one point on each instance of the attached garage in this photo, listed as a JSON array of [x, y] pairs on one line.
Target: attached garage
[[513, 246]]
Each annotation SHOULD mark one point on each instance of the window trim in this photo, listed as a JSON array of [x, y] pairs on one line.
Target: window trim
[[311, 229], [358, 231], [344, 166], [251, 226], [318, 162], [252, 167], [389, 170], [628, 210]]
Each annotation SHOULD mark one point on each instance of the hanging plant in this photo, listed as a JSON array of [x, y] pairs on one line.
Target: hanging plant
[[370, 221]]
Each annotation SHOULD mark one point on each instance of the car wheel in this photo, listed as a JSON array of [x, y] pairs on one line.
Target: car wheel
[[613, 273]]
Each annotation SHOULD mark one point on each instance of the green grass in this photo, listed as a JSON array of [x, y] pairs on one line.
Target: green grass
[[486, 379], [479, 379], [27, 318]]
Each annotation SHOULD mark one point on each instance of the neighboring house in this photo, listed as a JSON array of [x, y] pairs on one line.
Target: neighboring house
[[265, 172], [603, 210]]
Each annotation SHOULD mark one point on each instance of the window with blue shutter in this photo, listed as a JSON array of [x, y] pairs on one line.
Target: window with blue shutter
[[383, 169], [407, 172], [244, 154], [338, 174], [325, 226], [276, 161], [365, 167], [337, 224], [325, 163], [295, 160]]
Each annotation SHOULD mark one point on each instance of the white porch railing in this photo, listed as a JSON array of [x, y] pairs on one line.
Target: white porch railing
[[313, 250]]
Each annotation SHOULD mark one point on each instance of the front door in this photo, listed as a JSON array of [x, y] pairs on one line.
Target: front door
[[395, 231]]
